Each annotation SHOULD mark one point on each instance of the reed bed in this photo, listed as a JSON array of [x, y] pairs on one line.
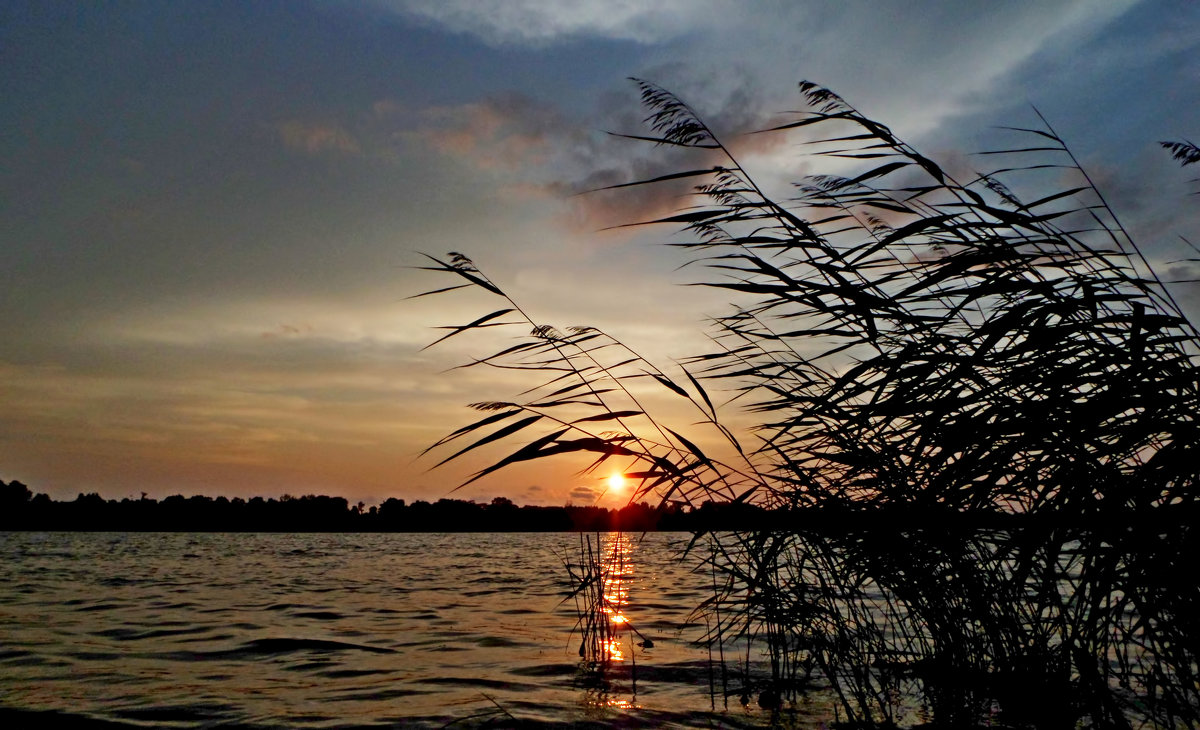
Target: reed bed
[[990, 397]]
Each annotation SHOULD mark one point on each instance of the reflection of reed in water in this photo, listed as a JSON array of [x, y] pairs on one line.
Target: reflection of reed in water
[[614, 567], [601, 595], [592, 622], [601, 592]]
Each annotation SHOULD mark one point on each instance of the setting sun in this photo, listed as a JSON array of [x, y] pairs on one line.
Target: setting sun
[[616, 482]]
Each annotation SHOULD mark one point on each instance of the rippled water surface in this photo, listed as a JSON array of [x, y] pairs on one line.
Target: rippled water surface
[[341, 630]]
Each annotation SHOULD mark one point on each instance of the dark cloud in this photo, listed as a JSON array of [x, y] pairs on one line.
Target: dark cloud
[[537, 495], [732, 111], [584, 495]]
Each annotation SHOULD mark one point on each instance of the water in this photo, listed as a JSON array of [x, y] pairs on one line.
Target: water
[[345, 630]]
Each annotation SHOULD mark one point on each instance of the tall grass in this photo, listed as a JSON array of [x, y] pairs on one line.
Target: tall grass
[[993, 398]]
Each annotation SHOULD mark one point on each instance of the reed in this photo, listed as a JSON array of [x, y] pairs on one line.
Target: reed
[[994, 393], [593, 610]]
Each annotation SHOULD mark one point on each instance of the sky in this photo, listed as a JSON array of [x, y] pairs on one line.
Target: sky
[[212, 213]]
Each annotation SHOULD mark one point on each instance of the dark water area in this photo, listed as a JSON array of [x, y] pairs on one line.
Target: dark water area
[[191, 630]]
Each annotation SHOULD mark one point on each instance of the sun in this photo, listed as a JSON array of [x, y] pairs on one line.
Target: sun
[[616, 482]]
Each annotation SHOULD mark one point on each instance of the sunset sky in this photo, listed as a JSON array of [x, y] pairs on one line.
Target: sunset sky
[[210, 211]]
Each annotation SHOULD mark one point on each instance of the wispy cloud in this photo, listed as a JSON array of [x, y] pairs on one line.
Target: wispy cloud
[[538, 22], [506, 132], [315, 138]]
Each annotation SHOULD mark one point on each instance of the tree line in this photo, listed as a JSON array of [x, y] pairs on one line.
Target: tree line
[[21, 509]]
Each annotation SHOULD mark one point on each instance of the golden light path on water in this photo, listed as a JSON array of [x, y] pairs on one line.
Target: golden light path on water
[[618, 570]]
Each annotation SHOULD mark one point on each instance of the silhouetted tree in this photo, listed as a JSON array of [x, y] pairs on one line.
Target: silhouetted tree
[[14, 495]]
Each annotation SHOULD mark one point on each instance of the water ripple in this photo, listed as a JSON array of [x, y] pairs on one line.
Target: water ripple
[[332, 631]]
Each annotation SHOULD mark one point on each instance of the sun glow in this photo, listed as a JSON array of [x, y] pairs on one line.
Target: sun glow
[[616, 482]]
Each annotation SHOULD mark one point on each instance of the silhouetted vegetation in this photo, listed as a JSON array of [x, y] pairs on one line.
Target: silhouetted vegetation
[[20, 509], [923, 354], [1185, 151]]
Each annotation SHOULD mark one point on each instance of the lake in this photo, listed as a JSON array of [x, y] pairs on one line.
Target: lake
[[351, 630]]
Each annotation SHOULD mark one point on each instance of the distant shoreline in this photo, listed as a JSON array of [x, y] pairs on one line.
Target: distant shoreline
[[22, 511]]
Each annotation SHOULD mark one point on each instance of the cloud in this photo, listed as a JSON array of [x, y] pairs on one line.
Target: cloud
[[728, 103], [540, 22], [317, 139], [590, 208], [287, 330], [503, 133], [506, 132], [584, 494], [537, 495], [537, 152]]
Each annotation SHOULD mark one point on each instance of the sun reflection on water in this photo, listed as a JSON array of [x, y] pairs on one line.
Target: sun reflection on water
[[618, 571], [612, 665]]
